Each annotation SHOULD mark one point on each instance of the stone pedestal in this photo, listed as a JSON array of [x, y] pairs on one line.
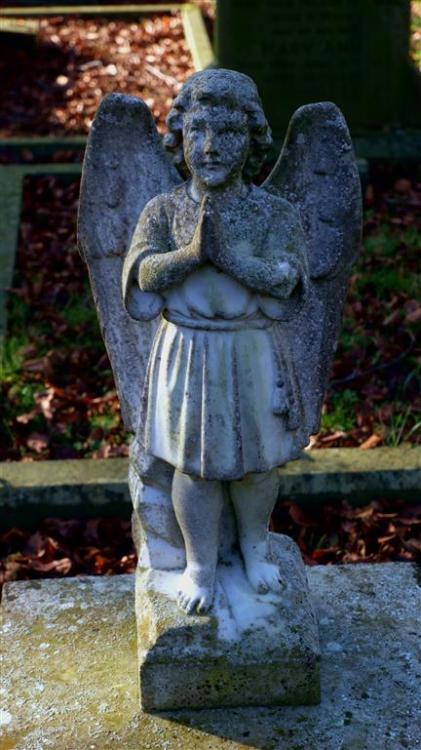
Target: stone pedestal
[[251, 650]]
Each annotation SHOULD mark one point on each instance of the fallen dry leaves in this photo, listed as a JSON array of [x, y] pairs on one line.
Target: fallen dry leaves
[[381, 531], [330, 533], [374, 391], [56, 86], [67, 547], [59, 395]]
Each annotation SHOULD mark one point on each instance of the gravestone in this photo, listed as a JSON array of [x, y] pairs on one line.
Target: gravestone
[[352, 52]]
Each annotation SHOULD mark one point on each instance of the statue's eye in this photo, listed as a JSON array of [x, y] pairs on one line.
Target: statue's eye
[[196, 128]]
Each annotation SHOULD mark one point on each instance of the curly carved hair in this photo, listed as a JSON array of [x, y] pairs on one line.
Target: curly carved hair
[[226, 88]]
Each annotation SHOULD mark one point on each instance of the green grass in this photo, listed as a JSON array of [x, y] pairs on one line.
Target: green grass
[[397, 427], [12, 359], [341, 412], [106, 421], [387, 281], [79, 311], [351, 337]]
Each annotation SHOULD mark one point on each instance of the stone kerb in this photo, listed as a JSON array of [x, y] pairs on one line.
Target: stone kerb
[[33, 490]]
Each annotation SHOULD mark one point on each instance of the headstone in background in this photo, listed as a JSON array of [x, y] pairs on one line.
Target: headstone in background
[[352, 52]]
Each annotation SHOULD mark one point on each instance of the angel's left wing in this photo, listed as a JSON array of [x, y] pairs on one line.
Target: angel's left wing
[[125, 166], [317, 173]]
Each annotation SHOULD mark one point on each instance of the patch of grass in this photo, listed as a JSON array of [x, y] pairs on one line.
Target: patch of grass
[[341, 412], [81, 320], [23, 394], [383, 242], [12, 359], [399, 427], [78, 311], [351, 337], [387, 281], [19, 313], [106, 421], [386, 241]]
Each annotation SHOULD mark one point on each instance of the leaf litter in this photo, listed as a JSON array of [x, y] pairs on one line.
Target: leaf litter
[[336, 532], [56, 88]]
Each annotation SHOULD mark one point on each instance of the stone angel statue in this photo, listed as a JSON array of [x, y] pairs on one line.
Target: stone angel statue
[[219, 303]]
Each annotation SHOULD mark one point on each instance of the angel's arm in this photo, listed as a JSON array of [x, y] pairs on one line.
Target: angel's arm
[[155, 267], [277, 273]]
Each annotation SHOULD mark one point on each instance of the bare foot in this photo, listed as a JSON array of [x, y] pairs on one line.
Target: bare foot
[[263, 575], [195, 592]]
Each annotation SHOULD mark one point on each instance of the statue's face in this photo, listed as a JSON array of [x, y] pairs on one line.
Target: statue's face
[[216, 143]]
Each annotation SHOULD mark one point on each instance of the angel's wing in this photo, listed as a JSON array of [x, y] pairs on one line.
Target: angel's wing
[[125, 166], [317, 173]]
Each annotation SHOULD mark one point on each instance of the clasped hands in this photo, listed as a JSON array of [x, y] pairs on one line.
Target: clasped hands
[[205, 245], [268, 275]]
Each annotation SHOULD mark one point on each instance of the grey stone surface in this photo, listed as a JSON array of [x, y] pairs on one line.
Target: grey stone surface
[[69, 671], [124, 166], [74, 488], [250, 649], [10, 199], [32, 490], [353, 53]]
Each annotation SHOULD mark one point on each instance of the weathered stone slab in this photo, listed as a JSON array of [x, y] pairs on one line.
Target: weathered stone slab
[[355, 54], [10, 198], [34, 490], [250, 649], [69, 671]]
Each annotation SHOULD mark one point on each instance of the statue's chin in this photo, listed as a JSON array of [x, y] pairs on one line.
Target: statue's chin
[[214, 179]]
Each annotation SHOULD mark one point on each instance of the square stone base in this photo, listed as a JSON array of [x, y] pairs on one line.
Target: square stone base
[[250, 650]]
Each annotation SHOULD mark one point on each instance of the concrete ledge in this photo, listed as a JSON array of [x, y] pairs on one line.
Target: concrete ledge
[[30, 491], [78, 8], [83, 488], [355, 474], [69, 671], [196, 36]]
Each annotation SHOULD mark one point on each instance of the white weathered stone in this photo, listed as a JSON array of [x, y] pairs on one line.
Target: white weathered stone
[[251, 649], [248, 284]]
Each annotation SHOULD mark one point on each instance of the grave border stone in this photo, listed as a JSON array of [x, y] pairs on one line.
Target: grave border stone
[[70, 665], [30, 491]]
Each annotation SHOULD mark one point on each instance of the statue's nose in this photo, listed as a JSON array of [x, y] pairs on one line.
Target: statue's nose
[[210, 146]]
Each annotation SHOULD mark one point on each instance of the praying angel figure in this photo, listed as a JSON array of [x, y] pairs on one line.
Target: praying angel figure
[[231, 298]]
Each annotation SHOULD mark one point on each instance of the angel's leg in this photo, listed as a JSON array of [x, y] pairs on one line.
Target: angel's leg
[[253, 498], [197, 505]]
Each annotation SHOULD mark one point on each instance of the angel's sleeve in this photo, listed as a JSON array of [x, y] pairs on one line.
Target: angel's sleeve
[[149, 238], [286, 253]]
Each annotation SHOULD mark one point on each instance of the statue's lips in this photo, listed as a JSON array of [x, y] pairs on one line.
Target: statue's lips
[[211, 164]]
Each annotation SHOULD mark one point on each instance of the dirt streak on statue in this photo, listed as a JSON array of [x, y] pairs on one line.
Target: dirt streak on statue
[[220, 406]]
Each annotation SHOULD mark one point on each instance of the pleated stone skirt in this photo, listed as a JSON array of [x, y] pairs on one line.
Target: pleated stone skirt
[[208, 402]]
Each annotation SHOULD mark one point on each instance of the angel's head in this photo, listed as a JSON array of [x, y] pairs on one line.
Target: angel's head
[[217, 129]]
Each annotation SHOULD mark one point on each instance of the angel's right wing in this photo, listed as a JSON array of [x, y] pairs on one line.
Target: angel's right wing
[[125, 166]]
